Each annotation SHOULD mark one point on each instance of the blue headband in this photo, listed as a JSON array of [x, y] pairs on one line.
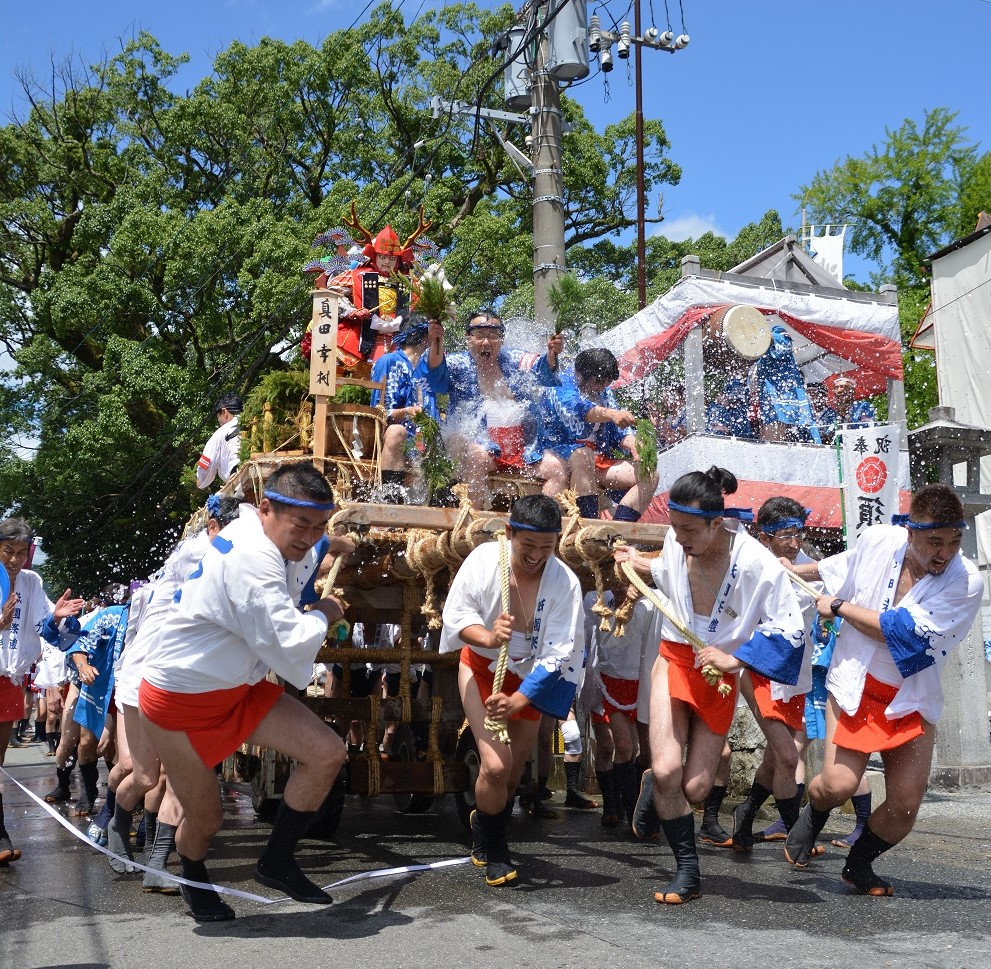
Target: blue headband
[[906, 520], [299, 502], [533, 528], [772, 527], [739, 514], [413, 332]]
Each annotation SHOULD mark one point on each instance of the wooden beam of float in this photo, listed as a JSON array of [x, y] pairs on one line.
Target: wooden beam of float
[[444, 519]]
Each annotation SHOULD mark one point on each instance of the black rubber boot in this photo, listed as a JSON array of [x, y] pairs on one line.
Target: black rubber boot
[[52, 739], [574, 797], [687, 881], [499, 870], [535, 800], [158, 858], [119, 840], [789, 809], [61, 792], [86, 802], [612, 808], [627, 788], [743, 817], [277, 867], [8, 853], [802, 837], [479, 850], [205, 905], [858, 870], [150, 823], [646, 825], [39, 731], [711, 832]]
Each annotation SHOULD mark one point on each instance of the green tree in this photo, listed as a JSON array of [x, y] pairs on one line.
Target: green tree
[[151, 244], [903, 199]]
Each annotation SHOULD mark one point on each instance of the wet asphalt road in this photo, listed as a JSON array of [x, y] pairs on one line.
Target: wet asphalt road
[[584, 898]]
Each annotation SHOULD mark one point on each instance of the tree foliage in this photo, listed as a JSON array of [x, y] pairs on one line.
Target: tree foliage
[[151, 243]]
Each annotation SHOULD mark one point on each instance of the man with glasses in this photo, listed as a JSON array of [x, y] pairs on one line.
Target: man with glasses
[[492, 416], [779, 709]]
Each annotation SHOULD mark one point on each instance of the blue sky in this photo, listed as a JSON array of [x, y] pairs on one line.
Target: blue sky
[[766, 94]]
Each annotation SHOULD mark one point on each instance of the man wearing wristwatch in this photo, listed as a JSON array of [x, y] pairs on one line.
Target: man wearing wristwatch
[[906, 597]]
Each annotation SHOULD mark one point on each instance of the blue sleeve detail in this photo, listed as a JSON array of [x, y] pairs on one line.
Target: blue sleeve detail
[[222, 545], [309, 593], [177, 595], [49, 630], [549, 692], [911, 652], [773, 656]]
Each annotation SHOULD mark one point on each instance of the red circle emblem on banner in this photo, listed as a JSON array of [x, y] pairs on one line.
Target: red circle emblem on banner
[[872, 473]]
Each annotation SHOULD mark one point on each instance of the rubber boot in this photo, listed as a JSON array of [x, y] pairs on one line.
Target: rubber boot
[[743, 817], [61, 792], [537, 808], [628, 788], [119, 840], [86, 802], [802, 838], [612, 807], [39, 731], [205, 905], [277, 867], [687, 881], [711, 832], [789, 808], [574, 797], [158, 858], [53, 739], [646, 825], [149, 822], [858, 870], [862, 809], [588, 506], [479, 849], [8, 853], [776, 830], [499, 870]]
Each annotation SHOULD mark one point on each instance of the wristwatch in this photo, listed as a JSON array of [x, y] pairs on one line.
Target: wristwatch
[[834, 607]]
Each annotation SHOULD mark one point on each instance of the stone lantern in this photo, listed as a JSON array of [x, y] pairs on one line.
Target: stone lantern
[[948, 451]]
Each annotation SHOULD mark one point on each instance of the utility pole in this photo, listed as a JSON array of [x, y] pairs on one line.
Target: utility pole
[[548, 187], [641, 202]]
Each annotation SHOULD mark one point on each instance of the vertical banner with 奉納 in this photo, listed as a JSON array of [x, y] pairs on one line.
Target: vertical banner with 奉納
[[869, 458]]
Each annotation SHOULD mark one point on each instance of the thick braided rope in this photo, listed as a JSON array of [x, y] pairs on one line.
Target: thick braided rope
[[373, 756], [498, 727], [712, 676], [595, 567]]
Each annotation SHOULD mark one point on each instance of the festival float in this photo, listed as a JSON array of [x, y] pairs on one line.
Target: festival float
[[406, 554]]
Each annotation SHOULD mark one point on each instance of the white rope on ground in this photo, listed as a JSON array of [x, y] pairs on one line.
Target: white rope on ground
[[223, 889]]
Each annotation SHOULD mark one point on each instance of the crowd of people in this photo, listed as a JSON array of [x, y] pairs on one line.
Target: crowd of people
[[167, 682]]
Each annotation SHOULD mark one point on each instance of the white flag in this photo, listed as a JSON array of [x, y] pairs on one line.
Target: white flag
[[827, 249], [869, 475]]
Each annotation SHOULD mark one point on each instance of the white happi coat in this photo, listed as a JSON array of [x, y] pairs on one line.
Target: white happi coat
[[555, 649], [779, 691], [158, 604], [930, 620], [20, 643], [756, 615], [235, 619]]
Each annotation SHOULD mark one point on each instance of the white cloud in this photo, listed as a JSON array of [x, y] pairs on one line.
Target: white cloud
[[689, 226]]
